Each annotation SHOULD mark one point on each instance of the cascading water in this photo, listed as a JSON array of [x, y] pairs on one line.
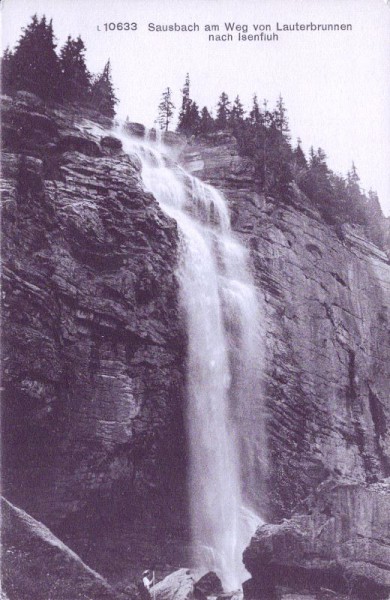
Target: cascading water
[[224, 357]]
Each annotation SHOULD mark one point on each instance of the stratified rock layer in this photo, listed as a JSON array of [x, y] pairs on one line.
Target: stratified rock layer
[[325, 298], [93, 343]]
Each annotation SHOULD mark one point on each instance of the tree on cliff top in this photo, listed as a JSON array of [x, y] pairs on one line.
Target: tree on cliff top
[[236, 115], [165, 110], [189, 118], [102, 92], [75, 78], [280, 117], [6, 71], [206, 123], [300, 161], [34, 65], [223, 111], [185, 99], [255, 116]]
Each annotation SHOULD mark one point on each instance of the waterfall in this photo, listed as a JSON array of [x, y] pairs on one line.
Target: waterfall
[[224, 359]]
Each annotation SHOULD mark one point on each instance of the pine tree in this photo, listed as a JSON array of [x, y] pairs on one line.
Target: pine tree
[[376, 224], [102, 92], [186, 93], [189, 118], [353, 179], [75, 78], [255, 116], [206, 123], [280, 117], [237, 112], [223, 111], [184, 121], [268, 117], [194, 118], [6, 71], [34, 65], [299, 156], [165, 110], [357, 201]]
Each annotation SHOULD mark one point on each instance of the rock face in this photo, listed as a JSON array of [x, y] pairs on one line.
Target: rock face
[[36, 564], [93, 342], [326, 300], [325, 297], [94, 348], [341, 542]]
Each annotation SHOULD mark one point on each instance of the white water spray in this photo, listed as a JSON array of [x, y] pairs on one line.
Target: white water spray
[[224, 357]]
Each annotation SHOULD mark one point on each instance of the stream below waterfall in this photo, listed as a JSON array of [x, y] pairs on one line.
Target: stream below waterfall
[[222, 317]]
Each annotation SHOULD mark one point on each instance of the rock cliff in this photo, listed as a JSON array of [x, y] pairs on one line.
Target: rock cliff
[[94, 349], [93, 341], [325, 296]]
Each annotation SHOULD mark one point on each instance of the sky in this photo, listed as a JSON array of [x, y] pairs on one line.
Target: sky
[[335, 84]]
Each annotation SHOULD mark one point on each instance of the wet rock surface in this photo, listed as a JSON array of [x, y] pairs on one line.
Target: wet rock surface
[[94, 346]]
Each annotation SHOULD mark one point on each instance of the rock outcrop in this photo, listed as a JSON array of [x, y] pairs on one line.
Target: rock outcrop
[[93, 341], [208, 585], [326, 301], [325, 296], [37, 565], [340, 541]]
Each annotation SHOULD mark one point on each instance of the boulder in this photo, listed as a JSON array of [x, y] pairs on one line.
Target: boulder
[[29, 98], [208, 585], [111, 143], [135, 129], [36, 564], [341, 542], [178, 585]]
